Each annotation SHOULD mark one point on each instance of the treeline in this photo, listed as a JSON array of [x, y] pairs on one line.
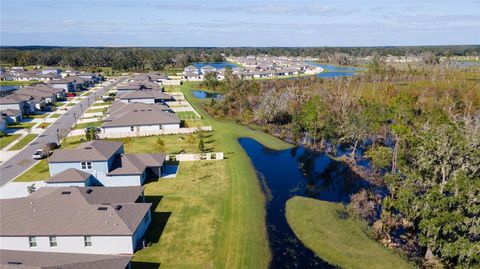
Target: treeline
[[141, 59], [120, 59], [418, 125]]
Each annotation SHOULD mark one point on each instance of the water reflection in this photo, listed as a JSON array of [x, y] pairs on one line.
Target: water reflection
[[292, 172]]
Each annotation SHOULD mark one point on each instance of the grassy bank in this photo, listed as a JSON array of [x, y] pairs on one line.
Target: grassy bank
[[212, 214], [336, 237]]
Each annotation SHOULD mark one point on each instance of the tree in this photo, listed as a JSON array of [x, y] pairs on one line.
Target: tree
[[210, 80], [160, 145], [381, 156]]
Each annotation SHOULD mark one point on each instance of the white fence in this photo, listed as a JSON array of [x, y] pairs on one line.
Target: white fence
[[155, 132], [195, 157]]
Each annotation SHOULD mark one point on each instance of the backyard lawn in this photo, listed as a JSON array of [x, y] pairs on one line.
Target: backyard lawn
[[219, 208], [187, 115], [6, 140], [23, 142], [336, 237]]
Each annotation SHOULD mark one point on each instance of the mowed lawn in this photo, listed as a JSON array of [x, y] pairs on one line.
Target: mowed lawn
[[38, 172], [6, 140], [328, 230], [23, 142], [217, 217]]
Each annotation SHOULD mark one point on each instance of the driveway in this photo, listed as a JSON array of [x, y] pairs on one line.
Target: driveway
[[22, 161]]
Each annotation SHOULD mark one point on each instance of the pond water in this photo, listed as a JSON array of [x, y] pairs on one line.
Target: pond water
[[217, 65], [332, 71], [203, 94], [297, 171]]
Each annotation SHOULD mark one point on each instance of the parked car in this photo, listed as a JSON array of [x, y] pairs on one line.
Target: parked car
[[41, 154], [71, 94], [51, 146]]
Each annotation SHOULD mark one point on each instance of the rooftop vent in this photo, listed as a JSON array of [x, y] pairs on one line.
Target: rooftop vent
[[103, 208], [89, 191], [118, 207], [66, 192]]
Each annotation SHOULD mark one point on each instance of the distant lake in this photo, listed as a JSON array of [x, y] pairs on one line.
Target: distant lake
[[297, 171], [332, 71], [217, 65]]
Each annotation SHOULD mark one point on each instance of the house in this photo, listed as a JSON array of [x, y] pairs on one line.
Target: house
[[72, 177], [47, 97], [90, 220], [137, 86], [59, 93], [135, 117], [11, 115], [145, 96], [64, 84], [26, 104], [107, 163], [191, 69], [89, 77], [15, 259], [208, 69], [51, 71], [192, 76]]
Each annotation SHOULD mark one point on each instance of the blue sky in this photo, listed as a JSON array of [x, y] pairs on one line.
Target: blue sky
[[239, 23]]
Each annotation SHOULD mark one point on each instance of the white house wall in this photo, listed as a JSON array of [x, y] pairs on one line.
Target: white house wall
[[72, 244], [122, 181]]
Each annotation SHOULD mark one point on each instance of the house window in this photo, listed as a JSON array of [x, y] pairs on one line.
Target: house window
[[87, 241], [32, 240], [132, 128], [53, 241], [86, 166]]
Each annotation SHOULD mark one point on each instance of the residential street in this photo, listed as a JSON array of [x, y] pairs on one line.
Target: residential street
[[23, 160]]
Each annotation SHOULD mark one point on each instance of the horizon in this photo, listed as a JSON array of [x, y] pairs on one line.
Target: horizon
[[267, 23]]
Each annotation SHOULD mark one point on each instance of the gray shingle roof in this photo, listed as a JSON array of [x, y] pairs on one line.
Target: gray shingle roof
[[69, 175], [135, 164], [146, 94], [11, 259], [65, 211], [135, 114], [97, 150]]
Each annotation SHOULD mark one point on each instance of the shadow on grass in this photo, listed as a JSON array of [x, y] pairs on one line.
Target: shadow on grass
[[144, 265], [159, 220]]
